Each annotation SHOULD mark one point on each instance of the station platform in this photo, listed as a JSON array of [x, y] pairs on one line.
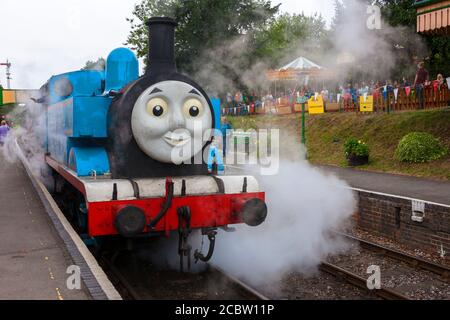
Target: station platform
[[399, 185], [33, 258]]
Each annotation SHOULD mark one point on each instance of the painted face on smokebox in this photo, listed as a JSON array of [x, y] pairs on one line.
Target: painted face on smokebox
[[168, 121]]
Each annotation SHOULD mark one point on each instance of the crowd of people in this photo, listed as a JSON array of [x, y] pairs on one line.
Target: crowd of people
[[347, 94]]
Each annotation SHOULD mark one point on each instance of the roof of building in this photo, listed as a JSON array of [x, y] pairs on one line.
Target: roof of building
[[422, 3]]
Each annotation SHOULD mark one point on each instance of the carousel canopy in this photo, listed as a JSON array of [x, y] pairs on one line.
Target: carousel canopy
[[301, 63], [296, 70]]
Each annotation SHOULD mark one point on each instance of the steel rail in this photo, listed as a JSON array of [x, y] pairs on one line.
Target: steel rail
[[246, 290], [360, 282], [417, 262], [128, 290], [121, 280]]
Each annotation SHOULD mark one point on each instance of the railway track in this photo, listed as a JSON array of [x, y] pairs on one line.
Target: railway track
[[405, 276], [247, 291], [233, 288], [236, 289], [360, 282], [119, 281], [413, 261]]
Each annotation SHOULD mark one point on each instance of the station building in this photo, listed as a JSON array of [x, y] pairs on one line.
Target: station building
[[433, 16]]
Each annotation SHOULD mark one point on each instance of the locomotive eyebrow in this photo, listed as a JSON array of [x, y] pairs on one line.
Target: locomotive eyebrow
[[194, 92], [156, 90]]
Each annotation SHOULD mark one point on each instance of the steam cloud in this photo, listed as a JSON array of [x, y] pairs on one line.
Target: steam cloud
[[357, 45], [30, 137], [351, 49], [304, 205]]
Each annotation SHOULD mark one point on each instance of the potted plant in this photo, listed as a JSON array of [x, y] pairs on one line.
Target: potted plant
[[357, 152]]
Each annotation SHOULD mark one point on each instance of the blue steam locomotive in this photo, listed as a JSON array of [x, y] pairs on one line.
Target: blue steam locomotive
[[127, 152]]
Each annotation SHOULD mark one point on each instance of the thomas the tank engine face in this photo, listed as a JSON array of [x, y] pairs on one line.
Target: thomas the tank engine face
[[171, 121]]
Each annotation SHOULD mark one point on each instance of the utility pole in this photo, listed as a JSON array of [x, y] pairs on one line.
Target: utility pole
[[7, 64], [303, 99]]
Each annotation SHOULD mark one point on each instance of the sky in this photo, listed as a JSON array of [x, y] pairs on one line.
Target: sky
[[46, 37]]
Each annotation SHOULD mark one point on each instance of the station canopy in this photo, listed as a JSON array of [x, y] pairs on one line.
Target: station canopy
[[295, 69], [433, 16]]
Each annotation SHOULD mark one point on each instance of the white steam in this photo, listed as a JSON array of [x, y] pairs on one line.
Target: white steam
[[303, 206], [354, 50], [373, 49], [30, 135]]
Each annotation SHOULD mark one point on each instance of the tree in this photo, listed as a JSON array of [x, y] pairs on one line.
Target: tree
[[205, 27], [289, 34], [95, 65], [398, 12], [229, 44], [138, 37], [403, 13], [338, 14]]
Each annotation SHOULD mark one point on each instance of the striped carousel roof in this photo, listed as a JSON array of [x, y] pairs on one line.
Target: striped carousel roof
[[433, 16]]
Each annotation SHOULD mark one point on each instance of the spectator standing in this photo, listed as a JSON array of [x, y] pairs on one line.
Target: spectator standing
[[421, 79], [347, 96], [324, 94], [440, 80], [229, 100], [225, 128], [238, 97], [355, 93], [4, 129], [405, 83], [364, 89]]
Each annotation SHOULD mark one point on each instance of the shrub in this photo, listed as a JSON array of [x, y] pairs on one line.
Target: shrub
[[356, 147], [419, 147]]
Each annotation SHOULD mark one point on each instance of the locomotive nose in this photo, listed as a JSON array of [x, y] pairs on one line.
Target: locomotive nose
[[254, 212]]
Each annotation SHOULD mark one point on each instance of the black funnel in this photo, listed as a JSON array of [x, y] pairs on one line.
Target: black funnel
[[161, 55]]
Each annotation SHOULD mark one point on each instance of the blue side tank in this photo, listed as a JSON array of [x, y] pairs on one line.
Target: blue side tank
[[78, 104]]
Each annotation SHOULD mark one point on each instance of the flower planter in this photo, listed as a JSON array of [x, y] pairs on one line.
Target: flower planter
[[354, 160]]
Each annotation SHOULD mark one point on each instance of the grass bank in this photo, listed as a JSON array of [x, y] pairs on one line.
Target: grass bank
[[326, 134]]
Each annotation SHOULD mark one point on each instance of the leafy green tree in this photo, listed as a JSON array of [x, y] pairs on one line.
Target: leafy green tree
[[403, 13], [203, 24], [289, 34], [339, 9], [439, 61], [138, 37], [398, 12]]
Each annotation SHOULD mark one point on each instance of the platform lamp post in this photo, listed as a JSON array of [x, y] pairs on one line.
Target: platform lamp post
[[7, 64], [303, 100], [389, 103], [303, 124]]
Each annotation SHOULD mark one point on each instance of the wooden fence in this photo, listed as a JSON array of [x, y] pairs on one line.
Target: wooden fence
[[433, 98]]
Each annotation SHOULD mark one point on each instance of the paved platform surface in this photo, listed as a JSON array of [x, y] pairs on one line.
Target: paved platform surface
[[412, 187], [33, 259]]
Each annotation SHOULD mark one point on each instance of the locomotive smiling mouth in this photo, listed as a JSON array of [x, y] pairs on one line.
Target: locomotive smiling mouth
[[177, 140]]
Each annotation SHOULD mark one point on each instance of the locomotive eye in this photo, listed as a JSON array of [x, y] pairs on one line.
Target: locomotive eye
[[157, 107], [194, 111], [193, 108], [158, 110]]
